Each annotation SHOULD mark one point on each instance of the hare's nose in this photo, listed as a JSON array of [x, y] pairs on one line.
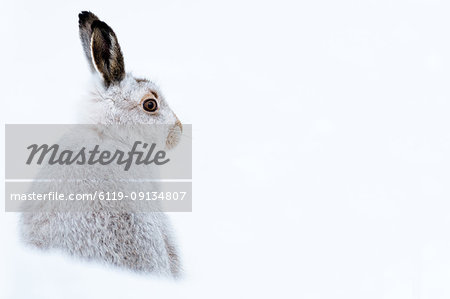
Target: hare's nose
[[178, 124]]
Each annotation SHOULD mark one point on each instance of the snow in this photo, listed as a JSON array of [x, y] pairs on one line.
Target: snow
[[320, 143]]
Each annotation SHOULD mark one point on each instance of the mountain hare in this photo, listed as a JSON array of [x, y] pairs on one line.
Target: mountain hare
[[142, 242]]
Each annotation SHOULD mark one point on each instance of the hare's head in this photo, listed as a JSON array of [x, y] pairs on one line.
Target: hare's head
[[119, 97]]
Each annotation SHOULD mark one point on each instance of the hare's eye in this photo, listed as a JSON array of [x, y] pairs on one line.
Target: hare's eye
[[150, 105]]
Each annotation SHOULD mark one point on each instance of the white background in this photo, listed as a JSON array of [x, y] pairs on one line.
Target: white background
[[321, 143]]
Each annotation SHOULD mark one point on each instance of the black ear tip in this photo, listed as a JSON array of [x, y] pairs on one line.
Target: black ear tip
[[85, 16]]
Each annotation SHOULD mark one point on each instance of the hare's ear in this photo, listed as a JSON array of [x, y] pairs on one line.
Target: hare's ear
[[106, 53], [102, 48], [85, 20]]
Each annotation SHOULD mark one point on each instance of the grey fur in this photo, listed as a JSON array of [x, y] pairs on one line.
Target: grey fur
[[116, 235]]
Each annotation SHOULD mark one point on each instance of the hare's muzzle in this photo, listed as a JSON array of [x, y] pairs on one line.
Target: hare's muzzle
[[174, 134]]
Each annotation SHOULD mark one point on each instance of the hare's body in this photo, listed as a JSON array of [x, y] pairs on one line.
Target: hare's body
[[137, 241], [117, 233]]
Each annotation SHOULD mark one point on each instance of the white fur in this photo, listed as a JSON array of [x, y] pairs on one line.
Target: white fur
[[114, 234]]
